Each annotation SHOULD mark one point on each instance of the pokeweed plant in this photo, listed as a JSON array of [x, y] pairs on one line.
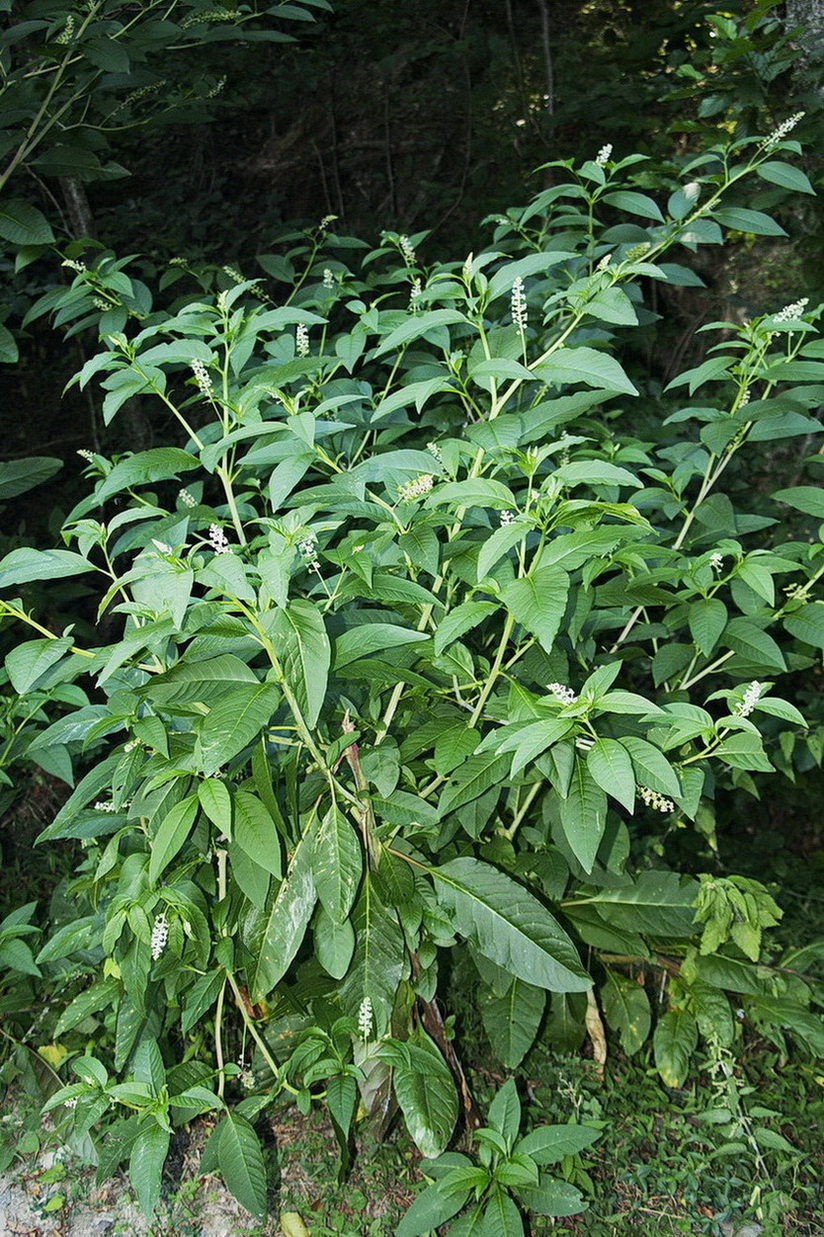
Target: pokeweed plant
[[427, 639]]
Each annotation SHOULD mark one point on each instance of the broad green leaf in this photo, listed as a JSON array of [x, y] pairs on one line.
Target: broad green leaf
[[240, 1158], [416, 326], [216, 803], [233, 723], [584, 815], [626, 1006], [23, 565], [635, 204], [256, 834], [9, 355], [474, 492], [505, 1112], [201, 681], [337, 864], [379, 963], [158, 464], [200, 998], [785, 175], [149, 1151], [501, 1216], [587, 365], [460, 620], [511, 1021], [538, 602], [657, 902], [807, 498], [303, 650], [610, 766], [807, 624], [652, 769], [552, 1198], [522, 268], [472, 779], [426, 1093], [508, 925], [707, 620], [286, 922], [171, 834], [28, 662], [366, 638], [100, 995], [430, 1209], [595, 472], [23, 224], [18, 476], [549, 1144], [757, 647], [740, 219], [334, 943], [674, 1041]]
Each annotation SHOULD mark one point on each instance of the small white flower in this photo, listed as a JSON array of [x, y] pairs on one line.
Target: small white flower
[[79, 267], [658, 802], [411, 490], [434, 450], [160, 935], [520, 313], [71, 1102], [327, 220], [307, 546], [791, 313], [218, 539], [231, 271], [187, 498], [202, 378], [408, 250], [751, 695], [507, 517], [415, 292], [716, 561], [100, 806], [781, 131], [301, 340], [565, 694], [604, 262], [86, 455], [365, 1018], [603, 156], [246, 1079], [328, 277]]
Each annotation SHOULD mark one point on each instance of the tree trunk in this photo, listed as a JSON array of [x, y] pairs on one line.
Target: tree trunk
[[807, 18]]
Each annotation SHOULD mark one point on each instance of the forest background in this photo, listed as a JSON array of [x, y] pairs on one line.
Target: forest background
[[235, 149]]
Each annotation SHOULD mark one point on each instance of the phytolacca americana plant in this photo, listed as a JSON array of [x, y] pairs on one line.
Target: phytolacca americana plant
[[419, 648]]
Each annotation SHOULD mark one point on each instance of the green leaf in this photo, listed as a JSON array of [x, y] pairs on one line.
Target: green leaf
[[431, 1209], [531, 740], [287, 920], [334, 943], [24, 565], [754, 222], [785, 175], [501, 1216], [474, 492], [460, 620], [626, 1006], [337, 864], [652, 769], [472, 779], [240, 1158], [538, 602], [416, 326], [145, 468], [28, 662], [611, 768], [757, 647], [216, 802], [595, 472], [707, 620], [23, 224], [146, 1161], [256, 834], [505, 1112], [552, 1198], [549, 1144], [587, 365], [366, 638], [658, 903], [303, 650], [233, 723], [426, 1093], [674, 1041], [635, 204], [807, 498], [171, 834], [508, 925], [18, 476], [511, 1021], [200, 681], [379, 963], [584, 815], [807, 624], [9, 355]]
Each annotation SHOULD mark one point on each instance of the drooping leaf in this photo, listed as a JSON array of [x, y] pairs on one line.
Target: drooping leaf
[[304, 652], [674, 1041], [337, 864], [256, 834], [286, 922], [234, 722], [538, 602], [240, 1158], [626, 1006], [425, 1090], [610, 766], [511, 1021], [508, 925], [379, 963], [171, 834], [583, 815], [149, 1151]]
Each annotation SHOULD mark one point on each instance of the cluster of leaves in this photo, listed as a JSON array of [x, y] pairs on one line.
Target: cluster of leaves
[[425, 640]]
